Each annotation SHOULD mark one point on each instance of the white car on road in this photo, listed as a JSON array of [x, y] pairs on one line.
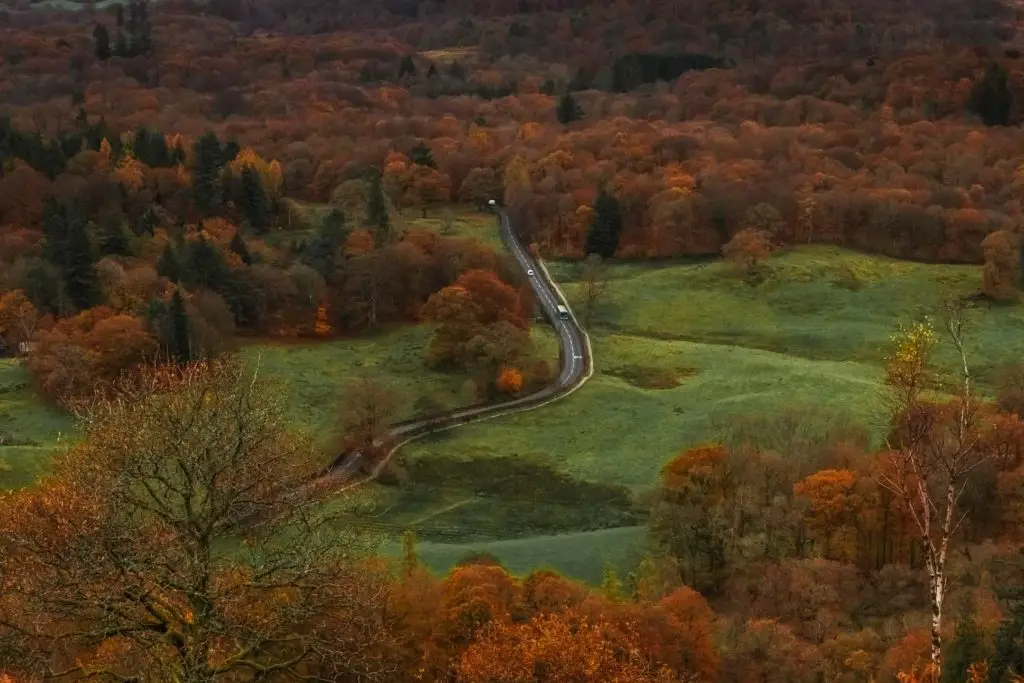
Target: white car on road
[[529, 271]]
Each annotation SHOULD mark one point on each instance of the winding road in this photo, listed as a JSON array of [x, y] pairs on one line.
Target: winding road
[[576, 358]]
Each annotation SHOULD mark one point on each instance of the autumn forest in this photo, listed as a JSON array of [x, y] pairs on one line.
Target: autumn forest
[[240, 238]]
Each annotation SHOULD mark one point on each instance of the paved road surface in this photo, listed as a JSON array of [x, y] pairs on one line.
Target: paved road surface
[[576, 368]]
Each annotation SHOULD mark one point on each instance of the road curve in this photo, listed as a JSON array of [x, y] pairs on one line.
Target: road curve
[[575, 356]]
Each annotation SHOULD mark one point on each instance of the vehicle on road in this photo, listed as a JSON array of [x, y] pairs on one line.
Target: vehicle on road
[[491, 202], [563, 312], [529, 271]]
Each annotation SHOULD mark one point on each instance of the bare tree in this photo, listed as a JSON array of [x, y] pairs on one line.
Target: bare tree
[[368, 408], [932, 451], [137, 560], [447, 223], [594, 282]]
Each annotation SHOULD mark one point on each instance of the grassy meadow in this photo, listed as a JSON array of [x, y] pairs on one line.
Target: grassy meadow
[[685, 352], [29, 429]]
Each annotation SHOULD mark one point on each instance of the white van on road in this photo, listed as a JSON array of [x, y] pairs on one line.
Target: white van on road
[[563, 312]]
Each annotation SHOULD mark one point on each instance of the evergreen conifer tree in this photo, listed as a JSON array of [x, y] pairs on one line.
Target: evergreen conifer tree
[[167, 265], [606, 228], [966, 648], [377, 212], [991, 98], [422, 155], [180, 345], [206, 185], [1008, 659], [568, 110], [254, 200], [407, 66], [102, 37], [321, 252], [113, 238], [238, 247], [204, 266], [69, 249]]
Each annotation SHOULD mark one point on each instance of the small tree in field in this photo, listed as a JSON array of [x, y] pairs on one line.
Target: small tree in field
[[932, 451], [1001, 270], [594, 280], [747, 249], [368, 408]]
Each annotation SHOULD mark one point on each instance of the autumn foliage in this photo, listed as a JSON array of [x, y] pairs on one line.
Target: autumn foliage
[[510, 380]]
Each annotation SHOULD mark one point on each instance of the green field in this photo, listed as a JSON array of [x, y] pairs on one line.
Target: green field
[[29, 430], [687, 353], [314, 375]]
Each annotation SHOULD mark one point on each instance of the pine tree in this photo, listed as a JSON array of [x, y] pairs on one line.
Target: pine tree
[[320, 253], [254, 200], [204, 266], [80, 274], [139, 28], [237, 246], [1008, 659], [568, 110], [69, 249], [102, 37], [606, 228], [377, 212], [180, 345], [167, 265], [229, 152], [113, 238], [991, 98], [966, 648], [120, 44], [580, 81], [147, 222], [407, 66], [206, 186], [422, 156], [150, 147]]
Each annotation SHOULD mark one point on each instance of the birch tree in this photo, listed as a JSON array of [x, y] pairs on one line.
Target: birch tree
[[932, 450]]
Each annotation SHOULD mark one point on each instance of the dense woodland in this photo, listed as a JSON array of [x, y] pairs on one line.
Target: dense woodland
[[158, 164]]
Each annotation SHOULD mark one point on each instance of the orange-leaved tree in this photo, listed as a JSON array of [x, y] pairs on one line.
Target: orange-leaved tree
[[480, 323], [1002, 265], [568, 647], [18, 320], [86, 354], [140, 556], [510, 380], [833, 511], [747, 249]]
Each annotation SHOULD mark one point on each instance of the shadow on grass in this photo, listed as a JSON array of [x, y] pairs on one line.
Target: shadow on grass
[[449, 499]]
